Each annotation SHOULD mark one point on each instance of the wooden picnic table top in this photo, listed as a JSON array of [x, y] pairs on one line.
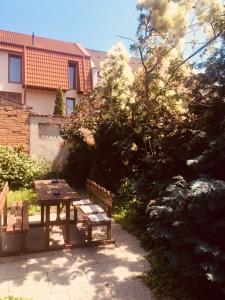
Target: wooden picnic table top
[[55, 190]]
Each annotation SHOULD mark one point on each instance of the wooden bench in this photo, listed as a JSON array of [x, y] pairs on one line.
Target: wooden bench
[[16, 221], [93, 214]]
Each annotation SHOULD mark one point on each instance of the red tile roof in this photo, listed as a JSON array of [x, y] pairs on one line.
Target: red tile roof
[[46, 60], [20, 39]]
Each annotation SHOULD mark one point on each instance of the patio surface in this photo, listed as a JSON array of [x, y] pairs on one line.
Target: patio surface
[[94, 273]]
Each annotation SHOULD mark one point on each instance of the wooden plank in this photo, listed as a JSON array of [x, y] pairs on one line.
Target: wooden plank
[[91, 209], [42, 214], [11, 219], [100, 192], [3, 197], [5, 214], [49, 191], [25, 224], [18, 217], [67, 240], [47, 226]]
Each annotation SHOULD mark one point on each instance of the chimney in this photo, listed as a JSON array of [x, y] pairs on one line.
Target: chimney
[[33, 39]]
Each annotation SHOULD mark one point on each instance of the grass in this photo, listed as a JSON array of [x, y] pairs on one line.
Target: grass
[[24, 194]]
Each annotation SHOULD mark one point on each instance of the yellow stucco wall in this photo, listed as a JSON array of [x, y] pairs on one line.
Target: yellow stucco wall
[[42, 101]]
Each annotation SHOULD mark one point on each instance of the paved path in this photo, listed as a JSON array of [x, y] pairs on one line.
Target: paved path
[[101, 273]]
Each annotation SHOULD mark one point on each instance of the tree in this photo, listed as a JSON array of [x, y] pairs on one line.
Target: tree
[[117, 79], [59, 103]]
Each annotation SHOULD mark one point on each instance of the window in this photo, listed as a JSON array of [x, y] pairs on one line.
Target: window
[[72, 76], [70, 105], [15, 69]]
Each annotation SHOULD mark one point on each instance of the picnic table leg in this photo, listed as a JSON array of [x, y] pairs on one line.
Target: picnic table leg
[[47, 226], [42, 214], [58, 213], [75, 215], [67, 240]]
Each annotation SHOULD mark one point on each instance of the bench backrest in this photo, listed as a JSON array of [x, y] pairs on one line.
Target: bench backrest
[[3, 197], [101, 193]]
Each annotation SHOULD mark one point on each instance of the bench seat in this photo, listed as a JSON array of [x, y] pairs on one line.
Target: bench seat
[[14, 222], [95, 215], [91, 209], [98, 218]]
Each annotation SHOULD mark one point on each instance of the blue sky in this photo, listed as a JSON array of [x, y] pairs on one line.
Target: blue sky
[[93, 23]]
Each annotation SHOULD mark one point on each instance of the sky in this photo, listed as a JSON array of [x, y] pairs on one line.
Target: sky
[[92, 23]]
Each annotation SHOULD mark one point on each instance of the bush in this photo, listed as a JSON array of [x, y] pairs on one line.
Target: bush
[[187, 222], [19, 169], [77, 169], [128, 208], [212, 160]]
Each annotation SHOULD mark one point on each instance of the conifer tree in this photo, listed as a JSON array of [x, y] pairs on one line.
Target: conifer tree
[[59, 103]]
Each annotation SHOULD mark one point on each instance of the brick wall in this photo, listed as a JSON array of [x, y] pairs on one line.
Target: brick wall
[[14, 126]]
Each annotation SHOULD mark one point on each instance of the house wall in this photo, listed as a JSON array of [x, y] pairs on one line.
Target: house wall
[[14, 126], [46, 142], [4, 73], [43, 101], [37, 135]]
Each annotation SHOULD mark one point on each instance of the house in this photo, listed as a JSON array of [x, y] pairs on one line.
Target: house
[[33, 68]]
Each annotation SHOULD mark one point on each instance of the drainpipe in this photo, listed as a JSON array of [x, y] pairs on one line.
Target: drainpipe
[[84, 74], [24, 75]]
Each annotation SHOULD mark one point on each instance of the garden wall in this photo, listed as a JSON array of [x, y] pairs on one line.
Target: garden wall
[[38, 135], [14, 125], [45, 140]]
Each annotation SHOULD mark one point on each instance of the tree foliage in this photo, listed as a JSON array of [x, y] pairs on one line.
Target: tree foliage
[[59, 104], [151, 139]]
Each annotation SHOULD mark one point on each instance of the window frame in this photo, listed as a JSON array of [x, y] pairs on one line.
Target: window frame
[[75, 66], [15, 56], [74, 104]]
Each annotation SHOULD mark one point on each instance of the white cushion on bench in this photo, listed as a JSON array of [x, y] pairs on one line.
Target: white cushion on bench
[[101, 217], [91, 209], [82, 202]]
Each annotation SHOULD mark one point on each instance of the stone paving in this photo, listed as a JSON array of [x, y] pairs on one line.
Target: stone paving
[[100, 273]]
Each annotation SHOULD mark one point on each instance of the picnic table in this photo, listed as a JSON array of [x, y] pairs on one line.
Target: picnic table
[[55, 193]]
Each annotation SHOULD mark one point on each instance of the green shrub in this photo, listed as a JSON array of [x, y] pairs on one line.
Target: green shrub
[[77, 169], [212, 159], [128, 209], [19, 169], [188, 223], [164, 282]]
